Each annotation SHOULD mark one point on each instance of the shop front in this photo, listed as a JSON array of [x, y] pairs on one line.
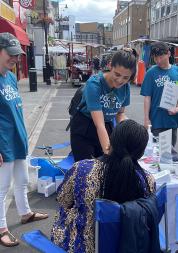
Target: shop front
[[7, 24]]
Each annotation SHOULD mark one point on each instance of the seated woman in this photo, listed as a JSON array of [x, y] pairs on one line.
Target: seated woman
[[117, 176]]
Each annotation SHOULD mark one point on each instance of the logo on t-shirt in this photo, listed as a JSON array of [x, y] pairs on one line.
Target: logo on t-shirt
[[9, 93], [109, 101], [162, 80]]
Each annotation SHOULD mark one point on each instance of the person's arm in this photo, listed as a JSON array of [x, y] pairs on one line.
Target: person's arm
[[121, 115], [147, 104], [1, 160], [65, 193], [98, 119]]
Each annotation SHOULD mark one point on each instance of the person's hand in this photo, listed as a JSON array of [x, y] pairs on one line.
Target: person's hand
[[147, 122], [1, 160], [173, 111]]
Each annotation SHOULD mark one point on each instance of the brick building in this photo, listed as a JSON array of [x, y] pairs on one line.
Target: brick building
[[130, 22], [94, 32]]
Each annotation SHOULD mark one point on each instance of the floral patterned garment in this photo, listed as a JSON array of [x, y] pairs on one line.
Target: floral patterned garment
[[73, 228]]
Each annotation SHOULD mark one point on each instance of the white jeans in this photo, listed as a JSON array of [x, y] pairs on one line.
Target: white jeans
[[18, 171]]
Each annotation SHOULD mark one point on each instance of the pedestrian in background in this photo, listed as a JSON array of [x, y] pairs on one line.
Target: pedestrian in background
[[104, 99], [152, 89], [13, 140], [96, 64]]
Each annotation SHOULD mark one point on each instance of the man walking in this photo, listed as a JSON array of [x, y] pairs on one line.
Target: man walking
[[152, 88]]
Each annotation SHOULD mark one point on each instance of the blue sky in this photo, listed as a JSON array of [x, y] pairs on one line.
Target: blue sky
[[90, 10]]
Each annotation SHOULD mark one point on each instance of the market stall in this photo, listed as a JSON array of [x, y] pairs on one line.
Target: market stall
[[77, 66], [143, 48]]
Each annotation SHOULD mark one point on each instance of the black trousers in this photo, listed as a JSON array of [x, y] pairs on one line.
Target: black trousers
[[160, 130], [84, 138]]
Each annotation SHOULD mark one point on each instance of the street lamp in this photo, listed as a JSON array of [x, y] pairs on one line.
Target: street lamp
[[46, 68], [128, 14], [60, 19]]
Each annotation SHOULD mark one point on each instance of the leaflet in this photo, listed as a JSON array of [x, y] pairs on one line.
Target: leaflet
[[169, 96]]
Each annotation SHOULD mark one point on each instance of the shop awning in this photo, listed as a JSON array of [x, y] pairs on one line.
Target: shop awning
[[7, 26]]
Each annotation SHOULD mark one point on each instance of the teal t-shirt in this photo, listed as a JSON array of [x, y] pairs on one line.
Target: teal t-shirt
[[98, 96], [153, 86], [13, 135]]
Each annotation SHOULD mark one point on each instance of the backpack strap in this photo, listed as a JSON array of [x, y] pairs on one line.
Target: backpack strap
[[81, 106]]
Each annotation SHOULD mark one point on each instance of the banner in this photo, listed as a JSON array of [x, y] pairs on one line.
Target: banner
[[27, 4]]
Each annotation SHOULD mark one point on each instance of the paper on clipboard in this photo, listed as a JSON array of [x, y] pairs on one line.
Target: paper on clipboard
[[169, 96]]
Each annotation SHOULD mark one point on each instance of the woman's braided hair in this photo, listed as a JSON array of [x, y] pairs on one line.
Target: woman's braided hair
[[121, 181]]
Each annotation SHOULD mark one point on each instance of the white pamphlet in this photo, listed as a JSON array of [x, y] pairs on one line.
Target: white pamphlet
[[165, 145], [169, 96]]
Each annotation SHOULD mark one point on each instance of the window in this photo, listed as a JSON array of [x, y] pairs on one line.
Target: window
[[157, 11], [157, 14], [153, 14], [64, 27], [163, 11], [174, 5], [168, 10], [7, 1]]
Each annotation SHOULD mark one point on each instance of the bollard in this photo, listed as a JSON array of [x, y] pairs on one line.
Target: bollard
[[32, 79], [44, 74]]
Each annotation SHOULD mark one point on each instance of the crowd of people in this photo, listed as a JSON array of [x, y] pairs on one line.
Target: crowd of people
[[106, 157]]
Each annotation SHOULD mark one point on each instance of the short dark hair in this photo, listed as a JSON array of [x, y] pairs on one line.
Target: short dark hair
[[159, 48], [127, 59]]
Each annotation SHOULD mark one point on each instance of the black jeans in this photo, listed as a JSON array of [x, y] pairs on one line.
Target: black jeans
[[84, 138], [156, 132]]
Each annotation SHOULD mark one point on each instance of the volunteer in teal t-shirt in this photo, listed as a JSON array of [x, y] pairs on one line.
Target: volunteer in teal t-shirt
[[104, 98], [13, 136], [13, 141], [152, 89]]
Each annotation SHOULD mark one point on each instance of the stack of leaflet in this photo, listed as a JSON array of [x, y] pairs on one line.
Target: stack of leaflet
[[162, 177]]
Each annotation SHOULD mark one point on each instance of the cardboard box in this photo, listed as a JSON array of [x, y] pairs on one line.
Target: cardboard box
[[43, 182], [50, 189], [58, 180]]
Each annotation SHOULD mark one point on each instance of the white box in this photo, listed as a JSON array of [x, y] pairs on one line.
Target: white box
[[50, 189], [59, 180], [162, 177], [43, 182], [172, 167]]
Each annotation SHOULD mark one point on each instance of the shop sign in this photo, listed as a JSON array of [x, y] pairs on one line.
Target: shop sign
[[7, 12], [27, 4]]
